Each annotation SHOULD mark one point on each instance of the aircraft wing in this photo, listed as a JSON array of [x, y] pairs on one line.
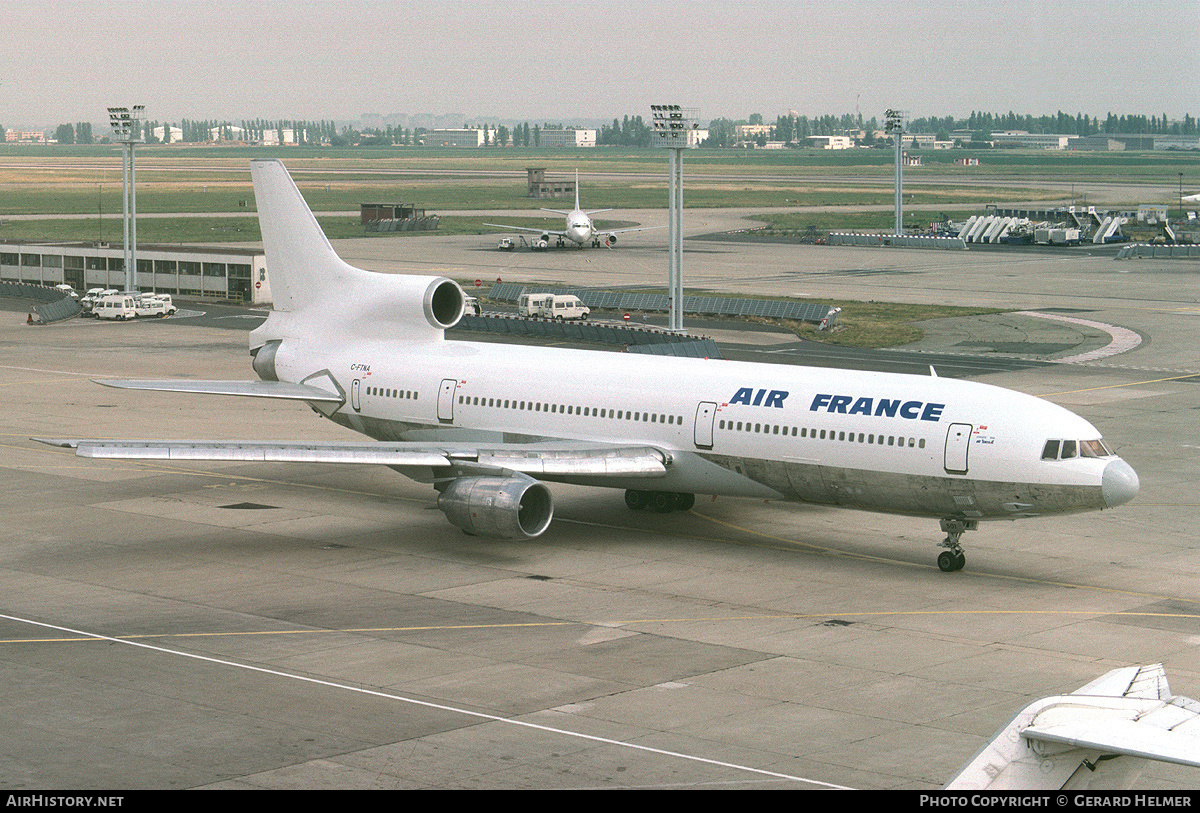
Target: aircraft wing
[[629, 228], [1072, 741], [553, 459], [527, 228], [251, 389]]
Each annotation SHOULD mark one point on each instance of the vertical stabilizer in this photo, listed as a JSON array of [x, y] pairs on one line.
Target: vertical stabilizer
[[303, 266], [577, 189]]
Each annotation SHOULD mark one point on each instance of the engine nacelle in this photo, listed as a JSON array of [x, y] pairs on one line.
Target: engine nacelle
[[514, 507], [611, 240]]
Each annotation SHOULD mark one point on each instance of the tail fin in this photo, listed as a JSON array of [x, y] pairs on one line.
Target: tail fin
[[577, 188], [314, 290], [303, 266]]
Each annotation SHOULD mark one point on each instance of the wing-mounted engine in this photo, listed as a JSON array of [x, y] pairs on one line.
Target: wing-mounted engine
[[610, 240], [509, 507]]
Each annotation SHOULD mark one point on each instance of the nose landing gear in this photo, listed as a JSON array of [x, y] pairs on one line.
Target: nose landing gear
[[953, 558]]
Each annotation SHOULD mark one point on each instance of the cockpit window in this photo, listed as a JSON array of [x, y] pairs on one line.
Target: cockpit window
[[1067, 449]]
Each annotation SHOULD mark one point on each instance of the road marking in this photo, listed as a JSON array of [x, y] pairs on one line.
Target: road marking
[[427, 704], [1123, 339]]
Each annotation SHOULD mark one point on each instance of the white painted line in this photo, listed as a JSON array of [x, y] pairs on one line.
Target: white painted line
[[426, 704], [1123, 339]]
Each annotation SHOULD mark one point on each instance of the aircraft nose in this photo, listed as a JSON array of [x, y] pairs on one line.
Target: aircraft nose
[[1119, 483]]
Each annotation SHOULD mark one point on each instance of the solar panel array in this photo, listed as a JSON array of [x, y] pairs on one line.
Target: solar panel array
[[702, 305]]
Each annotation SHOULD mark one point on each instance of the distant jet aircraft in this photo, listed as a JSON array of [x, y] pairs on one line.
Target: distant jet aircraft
[[580, 228], [1191, 198], [1095, 738], [485, 424]]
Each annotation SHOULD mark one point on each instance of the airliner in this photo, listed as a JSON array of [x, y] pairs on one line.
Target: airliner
[[580, 228], [489, 425]]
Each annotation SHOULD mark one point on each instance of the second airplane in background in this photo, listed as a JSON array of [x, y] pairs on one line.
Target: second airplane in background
[[580, 229]]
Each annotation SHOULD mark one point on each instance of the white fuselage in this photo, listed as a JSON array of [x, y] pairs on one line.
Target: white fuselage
[[878, 441], [579, 227]]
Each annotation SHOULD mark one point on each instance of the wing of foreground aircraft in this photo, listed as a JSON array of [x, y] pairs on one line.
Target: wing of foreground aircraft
[[1096, 737], [485, 489], [542, 459]]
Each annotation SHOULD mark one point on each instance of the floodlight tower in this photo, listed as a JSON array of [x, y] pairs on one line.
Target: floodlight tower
[[894, 126], [672, 129], [127, 130]]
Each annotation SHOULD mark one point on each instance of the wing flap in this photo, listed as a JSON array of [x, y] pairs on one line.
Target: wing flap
[[250, 389], [1128, 737]]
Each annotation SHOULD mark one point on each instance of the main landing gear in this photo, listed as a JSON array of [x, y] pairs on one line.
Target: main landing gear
[[664, 502], [953, 557]]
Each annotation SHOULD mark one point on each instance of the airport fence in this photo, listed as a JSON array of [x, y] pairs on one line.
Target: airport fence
[[634, 339], [1143, 250], [54, 304], [895, 240]]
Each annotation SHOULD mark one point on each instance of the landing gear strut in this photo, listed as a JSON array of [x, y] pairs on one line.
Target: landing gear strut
[[663, 502], [953, 557]]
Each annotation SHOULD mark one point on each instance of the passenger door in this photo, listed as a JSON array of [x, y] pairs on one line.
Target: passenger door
[[958, 444], [706, 416], [446, 400]]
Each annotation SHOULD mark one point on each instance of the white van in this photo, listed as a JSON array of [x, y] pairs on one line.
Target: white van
[[116, 306], [160, 305], [88, 301], [531, 304], [150, 306], [564, 306], [166, 300]]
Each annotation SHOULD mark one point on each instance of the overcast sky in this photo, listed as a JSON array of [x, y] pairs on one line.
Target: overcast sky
[[554, 61]]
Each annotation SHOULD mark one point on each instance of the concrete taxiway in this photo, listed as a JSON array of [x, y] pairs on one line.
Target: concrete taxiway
[[166, 625]]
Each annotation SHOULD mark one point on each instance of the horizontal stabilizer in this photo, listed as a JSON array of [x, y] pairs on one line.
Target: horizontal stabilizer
[[249, 389], [533, 459]]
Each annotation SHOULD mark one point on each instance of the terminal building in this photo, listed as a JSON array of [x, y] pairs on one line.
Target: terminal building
[[567, 137], [206, 272], [456, 137]]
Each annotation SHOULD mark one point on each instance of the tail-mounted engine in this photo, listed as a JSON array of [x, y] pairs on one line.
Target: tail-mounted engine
[[513, 507]]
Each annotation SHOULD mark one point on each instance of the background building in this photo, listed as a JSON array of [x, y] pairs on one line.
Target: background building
[[568, 137], [213, 273]]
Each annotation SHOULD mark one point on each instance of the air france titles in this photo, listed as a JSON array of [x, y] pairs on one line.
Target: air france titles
[[878, 407], [751, 397]]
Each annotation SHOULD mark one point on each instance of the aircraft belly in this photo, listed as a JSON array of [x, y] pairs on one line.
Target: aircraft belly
[[917, 494]]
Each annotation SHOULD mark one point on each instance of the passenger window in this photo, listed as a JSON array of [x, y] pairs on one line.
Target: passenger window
[[1050, 451]]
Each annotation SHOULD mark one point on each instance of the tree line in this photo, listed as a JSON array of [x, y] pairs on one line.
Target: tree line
[[633, 131]]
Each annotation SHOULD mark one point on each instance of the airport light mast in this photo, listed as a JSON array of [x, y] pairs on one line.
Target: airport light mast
[[894, 126], [672, 127], [127, 131]]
